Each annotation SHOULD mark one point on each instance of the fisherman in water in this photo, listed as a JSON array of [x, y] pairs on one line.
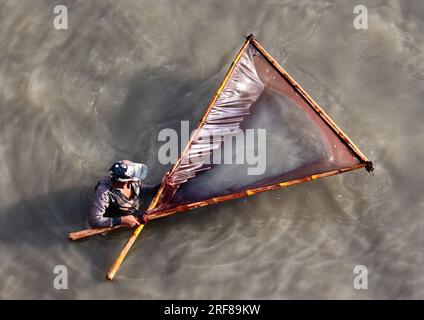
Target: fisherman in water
[[118, 197]]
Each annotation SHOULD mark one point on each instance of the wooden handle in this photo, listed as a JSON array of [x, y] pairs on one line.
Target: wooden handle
[[154, 202], [89, 232], [77, 235], [123, 253]]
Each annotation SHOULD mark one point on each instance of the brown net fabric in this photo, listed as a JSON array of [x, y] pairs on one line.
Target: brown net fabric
[[299, 143]]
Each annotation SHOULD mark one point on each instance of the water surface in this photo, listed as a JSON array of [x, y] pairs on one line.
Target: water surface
[[73, 101]]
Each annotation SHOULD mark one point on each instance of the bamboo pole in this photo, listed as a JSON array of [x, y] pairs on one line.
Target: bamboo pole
[[202, 121], [250, 192], [77, 235], [112, 271]]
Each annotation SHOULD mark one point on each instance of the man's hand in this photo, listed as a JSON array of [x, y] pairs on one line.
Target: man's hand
[[141, 216], [130, 221]]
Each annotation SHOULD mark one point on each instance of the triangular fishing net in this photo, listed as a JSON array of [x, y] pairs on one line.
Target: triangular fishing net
[[302, 143]]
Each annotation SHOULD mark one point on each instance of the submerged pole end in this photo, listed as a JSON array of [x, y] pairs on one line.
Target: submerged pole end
[[109, 276]]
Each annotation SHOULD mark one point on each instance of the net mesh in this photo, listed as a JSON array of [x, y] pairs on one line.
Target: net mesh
[[259, 132]]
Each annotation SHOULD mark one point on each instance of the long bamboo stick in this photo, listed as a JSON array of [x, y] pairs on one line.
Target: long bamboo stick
[[112, 271], [250, 192], [202, 121], [77, 235]]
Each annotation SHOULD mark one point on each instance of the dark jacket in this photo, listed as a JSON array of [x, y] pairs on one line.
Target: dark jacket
[[108, 204]]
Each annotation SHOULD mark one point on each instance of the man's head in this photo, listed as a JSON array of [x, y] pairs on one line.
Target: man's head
[[125, 171]]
